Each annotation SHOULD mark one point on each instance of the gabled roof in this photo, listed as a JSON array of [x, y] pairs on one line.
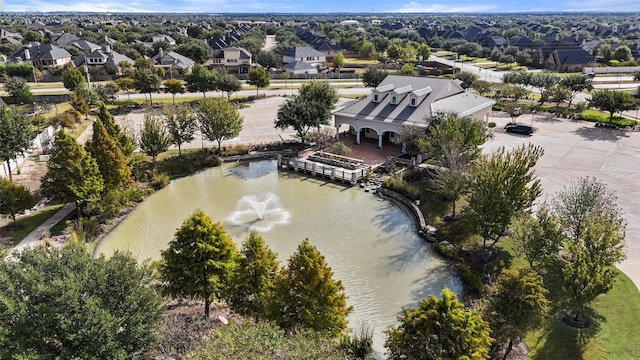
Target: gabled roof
[[64, 39], [85, 45], [160, 37], [105, 40], [181, 60], [574, 56], [443, 95], [301, 51], [244, 54], [298, 65]]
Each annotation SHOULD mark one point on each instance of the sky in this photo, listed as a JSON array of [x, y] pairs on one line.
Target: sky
[[315, 6]]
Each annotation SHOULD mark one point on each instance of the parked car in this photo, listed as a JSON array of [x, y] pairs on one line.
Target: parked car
[[520, 129]]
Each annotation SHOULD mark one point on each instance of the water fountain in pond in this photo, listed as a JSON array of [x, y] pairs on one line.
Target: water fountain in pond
[[259, 214]]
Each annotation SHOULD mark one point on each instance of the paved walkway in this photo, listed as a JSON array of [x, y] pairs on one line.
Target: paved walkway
[[36, 235]]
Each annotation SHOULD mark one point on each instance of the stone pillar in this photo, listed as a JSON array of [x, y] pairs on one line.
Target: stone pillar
[[379, 141], [353, 178], [358, 137], [333, 174], [313, 169], [295, 165], [337, 132]]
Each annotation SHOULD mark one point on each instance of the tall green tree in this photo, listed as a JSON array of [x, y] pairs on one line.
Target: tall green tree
[[259, 78], [254, 278], [72, 78], [154, 138], [543, 82], [112, 163], [577, 83], [301, 114], [62, 303], [79, 103], [199, 262], [517, 305], [407, 69], [14, 199], [72, 174], [18, 88], [324, 95], [181, 124], [126, 84], [537, 237], [268, 59], [219, 120], [591, 270], [439, 329], [306, 295], [448, 128], [124, 142], [372, 77], [338, 61], [503, 184], [201, 80], [15, 135], [466, 77], [229, 83], [612, 101], [173, 87], [146, 81], [451, 178]]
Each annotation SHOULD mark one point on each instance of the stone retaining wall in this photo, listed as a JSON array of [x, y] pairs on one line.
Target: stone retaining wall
[[414, 211]]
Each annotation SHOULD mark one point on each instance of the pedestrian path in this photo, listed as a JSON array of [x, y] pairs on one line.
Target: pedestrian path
[[36, 235]]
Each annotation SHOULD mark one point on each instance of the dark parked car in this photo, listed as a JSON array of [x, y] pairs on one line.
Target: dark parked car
[[520, 129]]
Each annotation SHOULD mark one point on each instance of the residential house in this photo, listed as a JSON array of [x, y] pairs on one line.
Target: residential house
[[43, 56], [64, 39], [402, 100], [300, 68], [171, 60], [158, 38], [103, 57], [321, 43], [233, 59], [305, 54], [572, 59]]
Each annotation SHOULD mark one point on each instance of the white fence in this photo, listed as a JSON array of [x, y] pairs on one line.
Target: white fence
[[42, 140], [611, 70]]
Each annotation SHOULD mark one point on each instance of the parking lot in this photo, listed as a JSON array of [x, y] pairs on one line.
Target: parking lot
[[574, 149]]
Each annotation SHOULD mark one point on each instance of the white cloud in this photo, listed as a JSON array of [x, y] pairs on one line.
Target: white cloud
[[50, 6], [415, 7]]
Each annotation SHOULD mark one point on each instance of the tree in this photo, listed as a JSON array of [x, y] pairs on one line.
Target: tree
[[481, 86], [72, 78], [126, 84], [199, 261], [636, 76], [517, 77], [15, 135], [111, 161], [324, 95], [268, 59], [173, 87], [181, 124], [62, 303], [449, 128], [219, 120], [106, 92], [366, 50], [18, 88], [124, 142], [537, 237], [585, 198], [407, 69], [14, 199], [439, 329], [201, 80], [622, 53], [517, 305], [543, 82], [425, 51], [302, 115], [372, 77], [409, 137], [558, 94], [577, 84], [79, 104], [451, 178], [467, 78], [146, 81], [72, 174], [307, 296], [394, 51], [612, 101], [196, 50], [338, 61], [154, 138], [259, 78], [229, 83], [503, 184], [590, 269], [253, 280]]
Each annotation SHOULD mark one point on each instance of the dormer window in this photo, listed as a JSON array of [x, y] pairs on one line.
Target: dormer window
[[376, 98], [413, 101], [394, 100]]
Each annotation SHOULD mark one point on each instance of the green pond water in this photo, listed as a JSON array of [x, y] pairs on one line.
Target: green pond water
[[368, 242]]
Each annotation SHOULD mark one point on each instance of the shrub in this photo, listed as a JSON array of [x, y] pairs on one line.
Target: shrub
[[340, 148], [491, 124], [471, 280], [446, 251], [401, 187], [360, 343], [160, 181], [64, 119]]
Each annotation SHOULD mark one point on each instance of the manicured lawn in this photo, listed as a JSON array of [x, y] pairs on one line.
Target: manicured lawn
[[27, 224]]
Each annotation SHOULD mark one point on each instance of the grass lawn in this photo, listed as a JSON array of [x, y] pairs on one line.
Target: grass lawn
[[360, 61], [27, 224]]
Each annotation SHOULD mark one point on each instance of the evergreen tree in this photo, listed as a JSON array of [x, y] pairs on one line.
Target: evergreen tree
[[72, 175], [62, 303], [219, 120], [153, 137], [111, 161], [72, 78], [199, 261], [79, 104], [254, 279], [181, 124], [306, 295], [439, 330], [517, 305], [15, 135], [14, 199], [114, 130], [18, 88]]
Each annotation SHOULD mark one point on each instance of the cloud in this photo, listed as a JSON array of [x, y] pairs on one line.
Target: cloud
[[415, 7], [50, 6]]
